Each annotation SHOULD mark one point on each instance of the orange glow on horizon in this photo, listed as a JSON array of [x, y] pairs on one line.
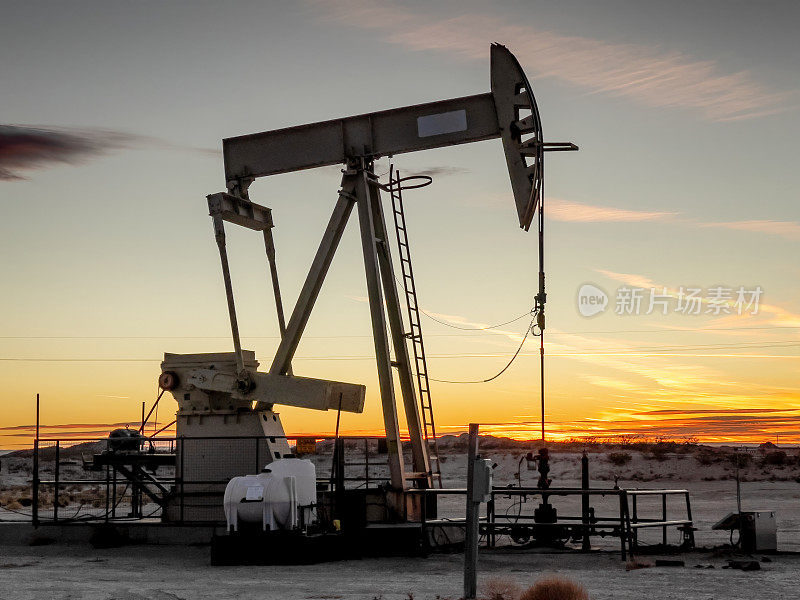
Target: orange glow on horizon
[[713, 427]]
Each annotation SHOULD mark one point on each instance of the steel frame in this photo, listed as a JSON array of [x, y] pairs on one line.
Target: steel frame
[[359, 189]]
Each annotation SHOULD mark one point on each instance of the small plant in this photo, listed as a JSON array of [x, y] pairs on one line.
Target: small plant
[[555, 588], [633, 564], [706, 458], [498, 588], [619, 459]]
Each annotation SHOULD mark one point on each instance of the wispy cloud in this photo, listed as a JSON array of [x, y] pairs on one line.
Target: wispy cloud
[[578, 212], [559, 209], [65, 426], [787, 229], [27, 148], [644, 74], [442, 171], [776, 315], [746, 425]]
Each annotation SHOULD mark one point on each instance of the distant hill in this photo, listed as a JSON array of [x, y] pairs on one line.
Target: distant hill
[[75, 451]]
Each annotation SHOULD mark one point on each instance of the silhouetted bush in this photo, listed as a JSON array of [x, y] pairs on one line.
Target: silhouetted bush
[[740, 459], [778, 458], [619, 458], [660, 450], [706, 458]]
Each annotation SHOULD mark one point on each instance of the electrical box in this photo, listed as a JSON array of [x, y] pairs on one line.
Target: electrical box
[[482, 480], [759, 531]]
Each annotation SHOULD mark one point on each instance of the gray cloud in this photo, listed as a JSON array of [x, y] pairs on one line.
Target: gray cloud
[[28, 148], [439, 172]]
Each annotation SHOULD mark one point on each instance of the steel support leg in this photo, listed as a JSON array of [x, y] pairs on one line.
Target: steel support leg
[[316, 275], [370, 245]]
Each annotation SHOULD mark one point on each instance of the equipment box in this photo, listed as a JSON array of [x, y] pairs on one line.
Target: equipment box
[[759, 531]]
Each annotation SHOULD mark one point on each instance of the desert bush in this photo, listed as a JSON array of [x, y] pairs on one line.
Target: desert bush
[[740, 459], [619, 458], [634, 564], [778, 458], [498, 588], [706, 458], [555, 588], [664, 447]]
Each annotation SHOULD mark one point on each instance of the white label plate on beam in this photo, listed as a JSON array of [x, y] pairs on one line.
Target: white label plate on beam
[[447, 122]]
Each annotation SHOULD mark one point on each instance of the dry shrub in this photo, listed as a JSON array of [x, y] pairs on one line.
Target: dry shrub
[[777, 458], [498, 588], [619, 458], [706, 458], [555, 588], [634, 564], [740, 459]]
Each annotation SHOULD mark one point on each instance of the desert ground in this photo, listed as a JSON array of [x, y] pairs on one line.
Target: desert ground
[[172, 573], [769, 482]]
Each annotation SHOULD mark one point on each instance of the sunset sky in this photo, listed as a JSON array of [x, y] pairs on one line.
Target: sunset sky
[[686, 115]]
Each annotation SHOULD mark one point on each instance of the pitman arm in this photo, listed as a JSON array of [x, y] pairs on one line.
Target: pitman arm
[[303, 392]]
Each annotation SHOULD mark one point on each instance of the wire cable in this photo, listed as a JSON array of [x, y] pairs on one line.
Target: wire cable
[[503, 370], [514, 320]]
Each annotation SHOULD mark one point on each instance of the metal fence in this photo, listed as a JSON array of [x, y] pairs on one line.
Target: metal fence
[[178, 479], [86, 480], [625, 517]]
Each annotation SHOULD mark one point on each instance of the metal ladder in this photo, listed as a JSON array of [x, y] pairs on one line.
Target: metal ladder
[[415, 333]]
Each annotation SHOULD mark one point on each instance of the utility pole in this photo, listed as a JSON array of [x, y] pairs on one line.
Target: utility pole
[[35, 483], [471, 542], [586, 544], [479, 489]]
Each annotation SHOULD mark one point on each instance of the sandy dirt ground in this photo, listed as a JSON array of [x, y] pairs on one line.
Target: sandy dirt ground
[[172, 573], [158, 572]]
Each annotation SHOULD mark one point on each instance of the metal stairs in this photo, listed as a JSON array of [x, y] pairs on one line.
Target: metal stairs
[[415, 333]]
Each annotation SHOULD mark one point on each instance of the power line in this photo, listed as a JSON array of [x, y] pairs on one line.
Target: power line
[[514, 320], [503, 370], [632, 351], [486, 330]]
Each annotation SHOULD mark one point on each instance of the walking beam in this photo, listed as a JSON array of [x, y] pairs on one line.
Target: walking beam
[[509, 112]]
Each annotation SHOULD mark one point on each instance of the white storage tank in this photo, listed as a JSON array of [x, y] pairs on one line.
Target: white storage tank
[[282, 496]]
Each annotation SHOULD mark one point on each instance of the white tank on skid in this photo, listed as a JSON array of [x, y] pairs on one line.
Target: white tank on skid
[[282, 496]]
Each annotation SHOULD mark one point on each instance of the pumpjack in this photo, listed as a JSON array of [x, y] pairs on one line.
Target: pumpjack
[[224, 395]]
